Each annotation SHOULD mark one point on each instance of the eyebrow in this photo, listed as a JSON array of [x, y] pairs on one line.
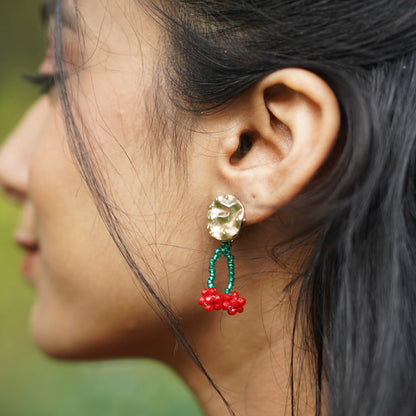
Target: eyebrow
[[48, 11]]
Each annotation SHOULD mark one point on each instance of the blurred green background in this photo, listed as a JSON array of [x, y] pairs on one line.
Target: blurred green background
[[31, 384]]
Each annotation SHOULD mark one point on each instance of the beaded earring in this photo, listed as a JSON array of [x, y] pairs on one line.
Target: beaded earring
[[225, 219]]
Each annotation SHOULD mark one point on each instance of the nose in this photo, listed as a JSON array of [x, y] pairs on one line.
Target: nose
[[16, 152]]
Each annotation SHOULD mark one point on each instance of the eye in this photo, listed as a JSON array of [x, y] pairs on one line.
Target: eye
[[45, 79], [44, 82]]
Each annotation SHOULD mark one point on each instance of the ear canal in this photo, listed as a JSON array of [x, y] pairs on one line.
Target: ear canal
[[244, 146]]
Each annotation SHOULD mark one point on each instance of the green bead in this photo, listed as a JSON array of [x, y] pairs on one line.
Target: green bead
[[226, 251]]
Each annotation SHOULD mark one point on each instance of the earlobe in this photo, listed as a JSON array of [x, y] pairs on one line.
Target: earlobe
[[291, 120]]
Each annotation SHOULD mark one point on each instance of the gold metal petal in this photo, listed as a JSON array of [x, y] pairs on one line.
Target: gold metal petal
[[225, 217]]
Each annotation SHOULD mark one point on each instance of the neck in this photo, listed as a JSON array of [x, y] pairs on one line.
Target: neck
[[249, 355]]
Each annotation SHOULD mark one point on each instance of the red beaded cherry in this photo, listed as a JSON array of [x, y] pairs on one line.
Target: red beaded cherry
[[212, 300]]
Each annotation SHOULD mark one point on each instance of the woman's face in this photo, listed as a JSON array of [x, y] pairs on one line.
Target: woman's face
[[87, 302]]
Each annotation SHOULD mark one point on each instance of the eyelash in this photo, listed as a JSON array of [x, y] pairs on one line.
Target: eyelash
[[44, 82]]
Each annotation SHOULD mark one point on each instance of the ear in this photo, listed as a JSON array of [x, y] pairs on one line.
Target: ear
[[279, 139]]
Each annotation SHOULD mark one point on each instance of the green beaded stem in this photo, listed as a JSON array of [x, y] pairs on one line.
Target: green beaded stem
[[226, 251]]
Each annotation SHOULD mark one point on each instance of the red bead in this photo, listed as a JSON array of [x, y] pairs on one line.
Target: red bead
[[241, 301], [225, 305], [209, 299], [209, 308]]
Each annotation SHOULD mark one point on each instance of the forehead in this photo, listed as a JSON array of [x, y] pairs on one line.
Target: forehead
[[116, 24]]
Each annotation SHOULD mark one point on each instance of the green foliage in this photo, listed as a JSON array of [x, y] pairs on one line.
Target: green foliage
[[31, 384]]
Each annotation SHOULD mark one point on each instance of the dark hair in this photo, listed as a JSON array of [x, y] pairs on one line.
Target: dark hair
[[357, 297]]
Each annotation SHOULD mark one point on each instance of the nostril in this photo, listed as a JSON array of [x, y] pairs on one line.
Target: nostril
[[13, 193]]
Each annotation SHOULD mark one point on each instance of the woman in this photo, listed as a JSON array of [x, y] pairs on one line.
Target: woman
[[304, 111]]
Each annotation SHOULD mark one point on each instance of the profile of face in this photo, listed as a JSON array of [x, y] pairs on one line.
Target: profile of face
[[87, 302]]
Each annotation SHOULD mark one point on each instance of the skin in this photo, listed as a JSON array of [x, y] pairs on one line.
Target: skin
[[88, 304]]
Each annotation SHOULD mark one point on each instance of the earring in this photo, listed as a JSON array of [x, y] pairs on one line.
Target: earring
[[225, 218]]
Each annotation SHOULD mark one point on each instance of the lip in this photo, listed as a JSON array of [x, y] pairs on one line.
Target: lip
[[28, 265], [32, 248]]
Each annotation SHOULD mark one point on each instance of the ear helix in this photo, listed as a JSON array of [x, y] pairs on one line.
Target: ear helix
[[226, 216]]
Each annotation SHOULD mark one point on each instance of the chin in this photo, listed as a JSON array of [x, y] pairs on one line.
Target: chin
[[55, 345], [70, 337], [63, 340]]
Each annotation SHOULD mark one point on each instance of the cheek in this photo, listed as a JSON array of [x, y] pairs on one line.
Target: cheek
[[86, 299]]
